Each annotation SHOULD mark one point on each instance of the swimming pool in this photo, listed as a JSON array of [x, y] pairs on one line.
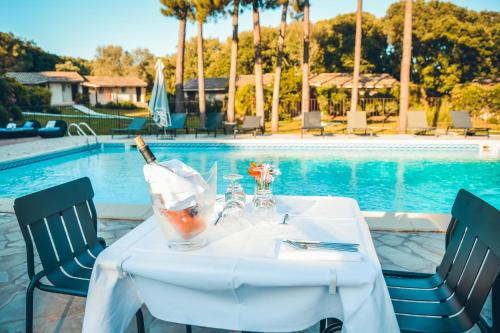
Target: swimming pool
[[381, 180]]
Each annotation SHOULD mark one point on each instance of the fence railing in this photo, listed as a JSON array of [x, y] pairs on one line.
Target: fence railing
[[378, 110]]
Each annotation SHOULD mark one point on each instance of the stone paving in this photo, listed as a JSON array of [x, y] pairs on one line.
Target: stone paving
[[59, 313]]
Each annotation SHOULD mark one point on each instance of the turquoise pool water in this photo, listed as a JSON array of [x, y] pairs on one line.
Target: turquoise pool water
[[381, 180]]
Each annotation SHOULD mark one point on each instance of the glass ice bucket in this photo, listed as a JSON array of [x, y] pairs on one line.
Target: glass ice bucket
[[185, 228]]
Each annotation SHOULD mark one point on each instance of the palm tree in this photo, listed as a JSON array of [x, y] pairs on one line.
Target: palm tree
[[203, 10], [234, 59], [277, 73], [357, 58], [305, 62], [404, 97], [259, 86], [181, 10]]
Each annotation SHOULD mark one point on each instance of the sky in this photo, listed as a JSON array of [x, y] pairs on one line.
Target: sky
[[75, 28]]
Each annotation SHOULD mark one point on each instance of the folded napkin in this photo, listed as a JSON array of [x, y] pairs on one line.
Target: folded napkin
[[177, 183], [286, 252]]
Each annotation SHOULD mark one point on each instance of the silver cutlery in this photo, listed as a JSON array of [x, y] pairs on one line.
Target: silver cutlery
[[218, 218], [345, 247]]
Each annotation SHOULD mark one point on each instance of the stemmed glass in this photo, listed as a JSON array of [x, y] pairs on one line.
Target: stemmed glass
[[234, 197]]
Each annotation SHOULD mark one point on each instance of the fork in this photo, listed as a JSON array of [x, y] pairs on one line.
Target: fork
[[331, 246]]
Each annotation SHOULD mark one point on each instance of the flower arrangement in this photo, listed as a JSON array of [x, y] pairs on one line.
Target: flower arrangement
[[264, 174]]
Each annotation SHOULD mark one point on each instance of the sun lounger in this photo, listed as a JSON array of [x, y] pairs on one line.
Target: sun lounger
[[214, 122], [462, 120], [134, 127], [312, 120], [29, 129], [54, 129], [178, 122], [417, 121], [250, 124], [356, 121]]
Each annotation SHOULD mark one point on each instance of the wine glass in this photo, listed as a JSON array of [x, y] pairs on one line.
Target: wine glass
[[234, 197]]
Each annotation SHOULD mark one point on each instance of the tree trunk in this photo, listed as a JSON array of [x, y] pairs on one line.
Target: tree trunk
[[305, 62], [357, 58], [201, 75], [179, 68], [404, 97], [234, 59], [259, 86], [277, 73]]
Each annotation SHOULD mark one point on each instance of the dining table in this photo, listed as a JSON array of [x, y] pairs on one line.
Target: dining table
[[247, 277]]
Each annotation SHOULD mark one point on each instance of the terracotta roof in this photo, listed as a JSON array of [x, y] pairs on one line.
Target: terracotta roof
[[486, 81], [211, 84], [244, 80], [44, 77], [344, 80], [113, 81]]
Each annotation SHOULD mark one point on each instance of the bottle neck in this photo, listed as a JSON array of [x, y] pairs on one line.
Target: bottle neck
[[149, 157]]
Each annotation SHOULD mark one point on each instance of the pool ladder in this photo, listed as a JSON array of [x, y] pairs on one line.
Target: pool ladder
[[81, 132]]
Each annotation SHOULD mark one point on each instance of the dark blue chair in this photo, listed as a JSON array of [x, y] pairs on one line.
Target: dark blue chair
[[61, 221], [214, 122], [134, 127], [54, 129], [178, 122], [29, 129]]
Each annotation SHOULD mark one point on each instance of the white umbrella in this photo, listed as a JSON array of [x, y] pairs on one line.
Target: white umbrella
[[158, 104]]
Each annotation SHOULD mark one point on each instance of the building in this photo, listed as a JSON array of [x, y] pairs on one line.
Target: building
[[118, 89], [367, 82], [63, 86]]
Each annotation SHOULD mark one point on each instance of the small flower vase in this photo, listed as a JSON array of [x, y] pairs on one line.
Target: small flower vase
[[263, 198]]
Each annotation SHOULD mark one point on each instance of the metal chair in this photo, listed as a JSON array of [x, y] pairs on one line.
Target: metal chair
[[250, 124], [451, 300], [214, 122], [462, 120], [61, 221], [312, 120]]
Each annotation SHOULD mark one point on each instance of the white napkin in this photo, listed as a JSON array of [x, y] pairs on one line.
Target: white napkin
[[286, 252], [178, 183]]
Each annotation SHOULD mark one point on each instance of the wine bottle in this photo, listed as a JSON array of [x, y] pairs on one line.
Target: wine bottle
[[145, 151]]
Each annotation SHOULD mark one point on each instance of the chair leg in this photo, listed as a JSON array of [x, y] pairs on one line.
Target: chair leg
[[139, 318], [195, 134], [322, 325], [189, 329], [29, 309]]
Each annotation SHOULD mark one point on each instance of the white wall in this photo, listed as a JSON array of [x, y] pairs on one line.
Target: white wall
[[61, 94], [116, 94]]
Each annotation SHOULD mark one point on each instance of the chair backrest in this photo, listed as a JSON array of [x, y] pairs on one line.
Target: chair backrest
[[312, 118], [471, 263], [178, 120], [137, 123], [62, 125], [215, 120], [60, 220], [461, 119], [32, 124], [251, 122], [356, 119], [417, 119]]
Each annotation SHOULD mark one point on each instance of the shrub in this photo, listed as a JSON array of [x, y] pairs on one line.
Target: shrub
[[120, 105], [4, 116], [15, 113]]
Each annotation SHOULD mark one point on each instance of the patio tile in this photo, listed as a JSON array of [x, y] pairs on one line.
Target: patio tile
[[60, 313]]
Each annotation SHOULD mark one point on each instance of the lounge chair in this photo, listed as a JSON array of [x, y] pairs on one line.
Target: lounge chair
[[29, 129], [417, 121], [214, 122], [462, 120], [61, 222], [312, 120], [451, 299], [54, 129], [134, 127], [356, 120], [250, 124], [178, 122]]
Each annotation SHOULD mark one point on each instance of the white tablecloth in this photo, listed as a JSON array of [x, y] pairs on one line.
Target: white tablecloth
[[237, 282]]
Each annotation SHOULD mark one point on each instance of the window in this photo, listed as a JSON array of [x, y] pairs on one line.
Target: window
[[63, 87], [100, 90], [123, 90]]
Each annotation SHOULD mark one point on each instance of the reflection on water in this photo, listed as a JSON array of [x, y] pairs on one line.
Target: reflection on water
[[379, 180]]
